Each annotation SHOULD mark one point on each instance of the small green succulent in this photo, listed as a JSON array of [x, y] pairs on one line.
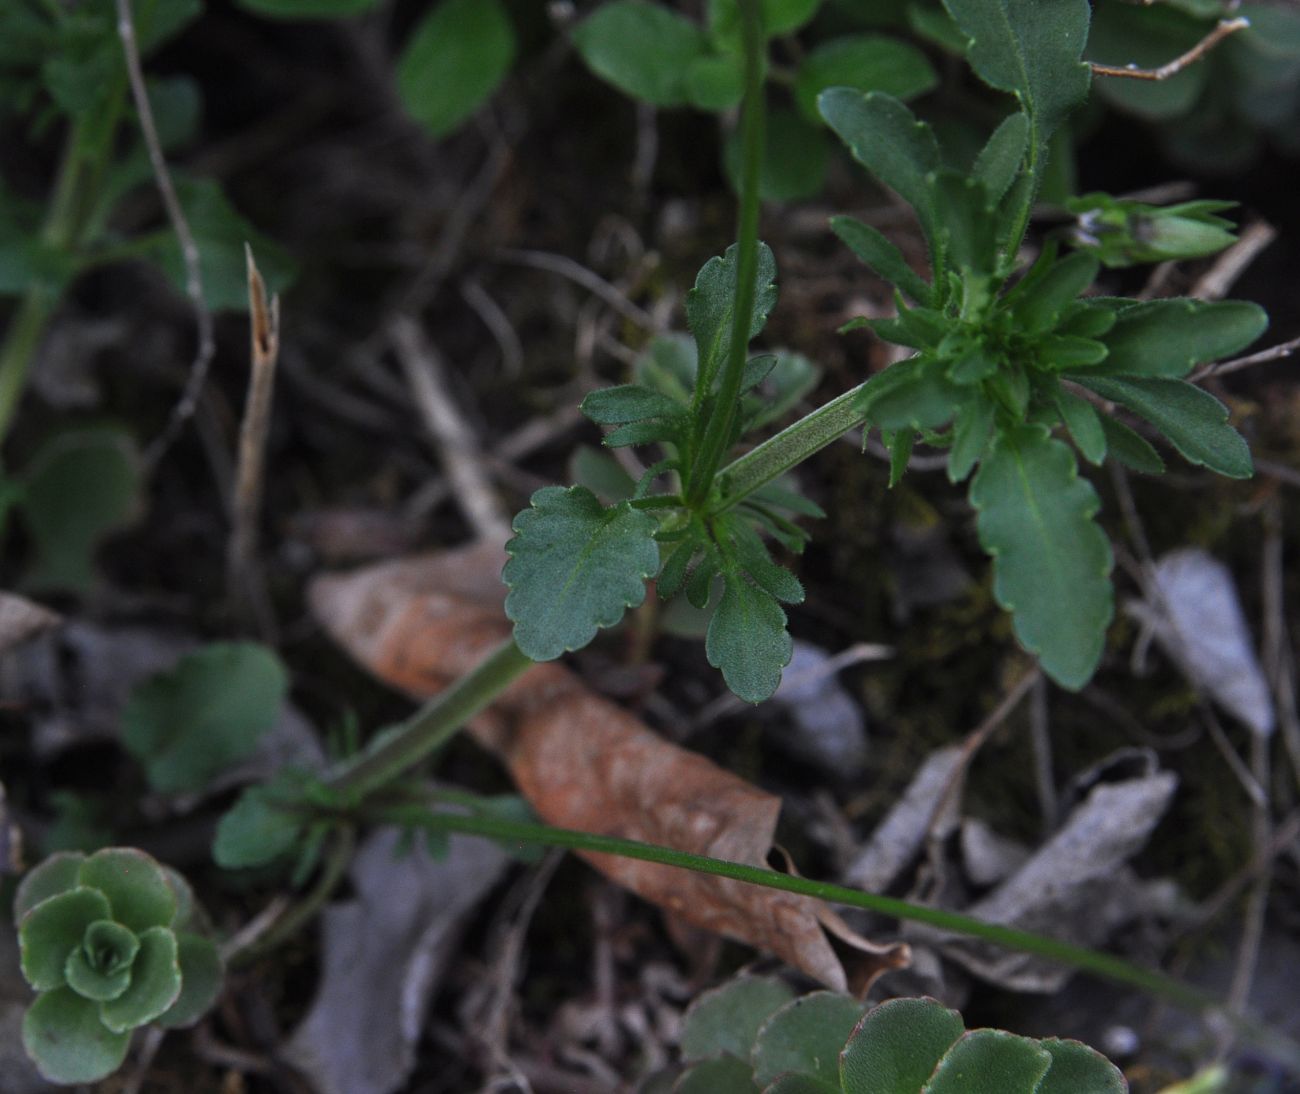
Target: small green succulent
[[111, 942]]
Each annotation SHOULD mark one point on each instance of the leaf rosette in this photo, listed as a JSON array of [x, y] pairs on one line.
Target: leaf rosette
[[110, 942]]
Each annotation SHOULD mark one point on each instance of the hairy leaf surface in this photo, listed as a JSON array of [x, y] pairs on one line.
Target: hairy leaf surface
[[1167, 338], [711, 304], [747, 639]]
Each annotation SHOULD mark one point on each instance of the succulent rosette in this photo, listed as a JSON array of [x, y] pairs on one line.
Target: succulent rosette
[[111, 942]]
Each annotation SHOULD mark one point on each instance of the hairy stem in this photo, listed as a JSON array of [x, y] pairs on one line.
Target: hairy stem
[[716, 433]]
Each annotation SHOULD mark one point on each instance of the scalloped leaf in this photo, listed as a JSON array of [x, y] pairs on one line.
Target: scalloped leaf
[[711, 304], [727, 1019], [643, 49], [723, 1075], [202, 975], [805, 1037], [897, 1045], [259, 828], [1192, 420], [155, 983], [135, 886], [62, 1033], [52, 930], [575, 566], [1078, 1069], [1168, 338], [747, 639], [109, 973], [1051, 561], [990, 1061], [1030, 48], [54, 875]]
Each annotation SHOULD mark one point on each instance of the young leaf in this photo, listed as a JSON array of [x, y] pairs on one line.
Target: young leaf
[[711, 303], [1051, 562], [1040, 306], [1084, 424], [1130, 448], [673, 576], [1194, 421], [574, 567], [912, 394], [990, 1061], [899, 443], [865, 62], [747, 639], [155, 983], [999, 160], [1032, 49], [627, 403], [454, 60], [965, 217], [641, 48], [749, 551], [191, 722], [882, 257], [888, 140], [1167, 338], [895, 1047], [970, 436], [259, 828]]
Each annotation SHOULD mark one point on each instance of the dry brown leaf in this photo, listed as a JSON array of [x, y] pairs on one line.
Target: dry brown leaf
[[587, 764]]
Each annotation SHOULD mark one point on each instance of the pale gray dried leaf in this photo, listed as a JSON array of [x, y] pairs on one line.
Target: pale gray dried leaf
[[1076, 887], [988, 857], [829, 728], [383, 955], [899, 837], [22, 619], [1196, 617]]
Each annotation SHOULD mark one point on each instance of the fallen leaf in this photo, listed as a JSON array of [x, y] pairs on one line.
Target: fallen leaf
[[587, 764], [22, 619], [383, 955], [829, 730]]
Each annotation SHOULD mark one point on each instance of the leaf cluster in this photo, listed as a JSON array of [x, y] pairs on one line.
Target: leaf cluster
[[110, 942], [753, 1035], [1009, 362]]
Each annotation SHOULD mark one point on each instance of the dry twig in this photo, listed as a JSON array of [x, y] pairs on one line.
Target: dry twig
[[1174, 67]]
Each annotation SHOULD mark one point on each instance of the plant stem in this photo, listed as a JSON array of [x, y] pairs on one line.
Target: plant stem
[[794, 444], [718, 431], [1079, 957], [434, 724]]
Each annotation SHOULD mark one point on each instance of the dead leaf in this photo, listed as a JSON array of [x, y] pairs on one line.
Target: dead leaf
[[383, 955], [22, 619], [585, 763]]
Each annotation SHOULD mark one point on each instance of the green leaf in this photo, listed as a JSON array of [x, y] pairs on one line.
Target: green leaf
[[100, 967], [575, 567], [63, 1034], [1194, 421], [779, 17], [1078, 1069], [191, 722], [1168, 338], [711, 304], [453, 62], [882, 257], [970, 436], [966, 220], [899, 444], [1085, 425], [202, 974], [990, 1061], [1032, 49], [220, 233], [727, 1019], [1038, 308], [724, 1075], [56, 874], [895, 1047], [800, 1084], [1130, 448], [307, 9], [715, 81], [155, 983], [52, 930], [747, 639], [749, 551], [794, 157], [643, 49], [600, 473], [135, 886], [912, 394], [79, 488], [627, 403], [1000, 159], [805, 1037], [887, 139], [865, 62], [260, 827], [1051, 562]]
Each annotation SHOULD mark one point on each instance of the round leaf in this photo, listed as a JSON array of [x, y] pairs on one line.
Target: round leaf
[[1078, 1069], [641, 48], [254, 831], [189, 723], [155, 983], [52, 930], [867, 62], [202, 973], [728, 1018], [56, 874], [990, 1061], [895, 1047], [100, 968], [454, 61], [805, 1037], [62, 1033], [724, 1075], [135, 885]]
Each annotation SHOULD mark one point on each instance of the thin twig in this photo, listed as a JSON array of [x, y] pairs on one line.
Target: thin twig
[[1274, 353], [425, 373], [243, 577], [497, 322], [1174, 67], [1279, 665], [206, 348], [1218, 280], [580, 275], [1040, 734]]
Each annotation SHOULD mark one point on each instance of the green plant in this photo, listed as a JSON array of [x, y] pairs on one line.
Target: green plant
[[110, 942], [753, 1035]]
